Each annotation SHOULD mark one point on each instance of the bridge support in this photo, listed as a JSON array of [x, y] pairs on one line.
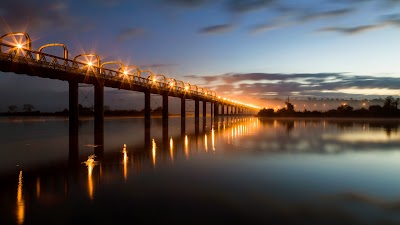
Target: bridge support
[[147, 108], [165, 107], [211, 109], [183, 107], [204, 108], [73, 104], [99, 103], [216, 109], [99, 119], [196, 108]]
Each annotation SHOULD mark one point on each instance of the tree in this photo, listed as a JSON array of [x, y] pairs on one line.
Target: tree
[[107, 108], [27, 108], [12, 108], [289, 107], [345, 109], [266, 112], [390, 102]]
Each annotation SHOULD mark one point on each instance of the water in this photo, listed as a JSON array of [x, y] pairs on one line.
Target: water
[[244, 171]]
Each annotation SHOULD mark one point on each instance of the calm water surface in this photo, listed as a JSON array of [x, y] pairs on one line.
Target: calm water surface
[[224, 171]]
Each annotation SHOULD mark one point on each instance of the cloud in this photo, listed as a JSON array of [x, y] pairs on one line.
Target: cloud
[[158, 65], [393, 19], [326, 14], [242, 6], [185, 3], [19, 15], [303, 84], [207, 79], [130, 33], [216, 29], [352, 30]]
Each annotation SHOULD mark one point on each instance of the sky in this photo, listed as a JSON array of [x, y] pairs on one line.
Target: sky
[[250, 50]]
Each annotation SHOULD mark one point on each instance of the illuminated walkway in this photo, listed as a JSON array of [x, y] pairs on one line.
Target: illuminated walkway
[[17, 56]]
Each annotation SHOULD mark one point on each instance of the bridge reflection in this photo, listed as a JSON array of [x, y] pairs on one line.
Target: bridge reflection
[[128, 160]]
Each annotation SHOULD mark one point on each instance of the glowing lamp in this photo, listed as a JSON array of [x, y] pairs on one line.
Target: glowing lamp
[[19, 46], [90, 64]]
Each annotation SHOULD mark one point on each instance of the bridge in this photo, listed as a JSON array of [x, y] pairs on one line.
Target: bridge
[[17, 56]]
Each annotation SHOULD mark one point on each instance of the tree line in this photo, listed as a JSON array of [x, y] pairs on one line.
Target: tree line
[[389, 109], [29, 110]]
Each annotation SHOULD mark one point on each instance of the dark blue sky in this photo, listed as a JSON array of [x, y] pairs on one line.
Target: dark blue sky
[[248, 49]]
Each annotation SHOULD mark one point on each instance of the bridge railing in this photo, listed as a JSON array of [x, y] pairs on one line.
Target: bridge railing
[[17, 54], [44, 60]]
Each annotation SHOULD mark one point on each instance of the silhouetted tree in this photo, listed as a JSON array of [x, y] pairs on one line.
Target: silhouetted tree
[[344, 110], [27, 108], [289, 107], [266, 112], [12, 108], [107, 108], [389, 103]]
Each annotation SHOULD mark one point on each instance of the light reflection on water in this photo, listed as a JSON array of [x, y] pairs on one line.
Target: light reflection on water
[[235, 170]]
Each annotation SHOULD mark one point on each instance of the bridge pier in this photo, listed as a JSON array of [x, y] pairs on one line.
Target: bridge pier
[[99, 103], [183, 107], [216, 109], [204, 109], [73, 104], [196, 108], [147, 108], [99, 119], [165, 107]]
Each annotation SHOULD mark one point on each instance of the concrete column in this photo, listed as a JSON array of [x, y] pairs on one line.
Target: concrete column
[[99, 119], [165, 106], [73, 104], [99, 107], [211, 109], [196, 108], [147, 108], [183, 107], [216, 109], [204, 108]]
